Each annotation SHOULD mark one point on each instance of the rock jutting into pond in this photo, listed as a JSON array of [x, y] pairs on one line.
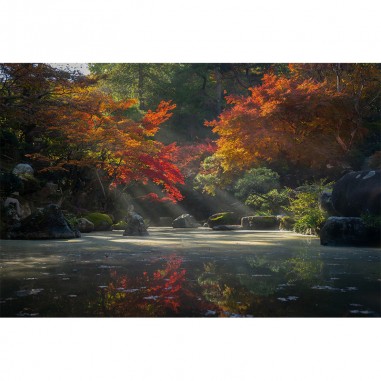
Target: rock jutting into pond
[[185, 221], [46, 223], [355, 195], [348, 231], [358, 193], [135, 225]]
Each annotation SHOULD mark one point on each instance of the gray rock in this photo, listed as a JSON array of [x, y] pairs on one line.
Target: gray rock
[[135, 225], [185, 221], [348, 231], [358, 193], [22, 170], [85, 226], [46, 223]]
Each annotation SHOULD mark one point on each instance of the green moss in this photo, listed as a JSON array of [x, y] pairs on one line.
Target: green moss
[[372, 221], [224, 218], [101, 221]]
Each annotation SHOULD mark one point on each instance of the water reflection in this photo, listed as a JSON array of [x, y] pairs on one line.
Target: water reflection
[[255, 282], [162, 292]]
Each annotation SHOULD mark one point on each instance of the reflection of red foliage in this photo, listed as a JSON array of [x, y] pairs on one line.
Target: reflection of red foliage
[[158, 294]]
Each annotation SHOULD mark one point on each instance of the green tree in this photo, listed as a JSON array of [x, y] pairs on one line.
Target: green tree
[[256, 181]]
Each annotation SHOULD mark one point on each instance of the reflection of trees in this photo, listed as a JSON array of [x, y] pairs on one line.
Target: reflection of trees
[[224, 290], [303, 267], [242, 288], [247, 286], [164, 292]]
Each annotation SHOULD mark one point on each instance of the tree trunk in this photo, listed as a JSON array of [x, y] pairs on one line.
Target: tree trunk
[[140, 87], [217, 74]]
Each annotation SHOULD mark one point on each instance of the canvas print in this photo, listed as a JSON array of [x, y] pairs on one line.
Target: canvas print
[[190, 190]]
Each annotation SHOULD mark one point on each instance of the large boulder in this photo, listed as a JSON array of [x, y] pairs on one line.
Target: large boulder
[[358, 193], [185, 221], [349, 231], [46, 223], [135, 225], [260, 222]]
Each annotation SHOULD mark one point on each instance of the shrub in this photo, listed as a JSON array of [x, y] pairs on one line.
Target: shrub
[[286, 223], [371, 221], [304, 206], [101, 221], [72, 220], [256, 181], [271, 203]]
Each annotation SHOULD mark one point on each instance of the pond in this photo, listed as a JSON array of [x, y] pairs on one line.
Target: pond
[[188, 273]]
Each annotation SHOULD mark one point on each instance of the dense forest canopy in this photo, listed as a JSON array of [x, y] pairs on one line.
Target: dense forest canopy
[[162, 132]]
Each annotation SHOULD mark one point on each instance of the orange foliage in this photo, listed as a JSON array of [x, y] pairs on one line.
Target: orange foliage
[[93, 130], [297, 118]]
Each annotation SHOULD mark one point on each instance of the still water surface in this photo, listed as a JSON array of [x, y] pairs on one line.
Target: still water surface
[[188, 272]]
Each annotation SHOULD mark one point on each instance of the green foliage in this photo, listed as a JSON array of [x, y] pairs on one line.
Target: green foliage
[[210, 178], [286, 223], [256, 181], [271, 203], [121, 225], [73, 221], [371, 221], [304, 206], [101, 221]]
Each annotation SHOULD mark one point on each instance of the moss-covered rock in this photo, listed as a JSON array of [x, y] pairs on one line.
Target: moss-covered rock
[[101, 221], [224, 218], [260, 222]]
